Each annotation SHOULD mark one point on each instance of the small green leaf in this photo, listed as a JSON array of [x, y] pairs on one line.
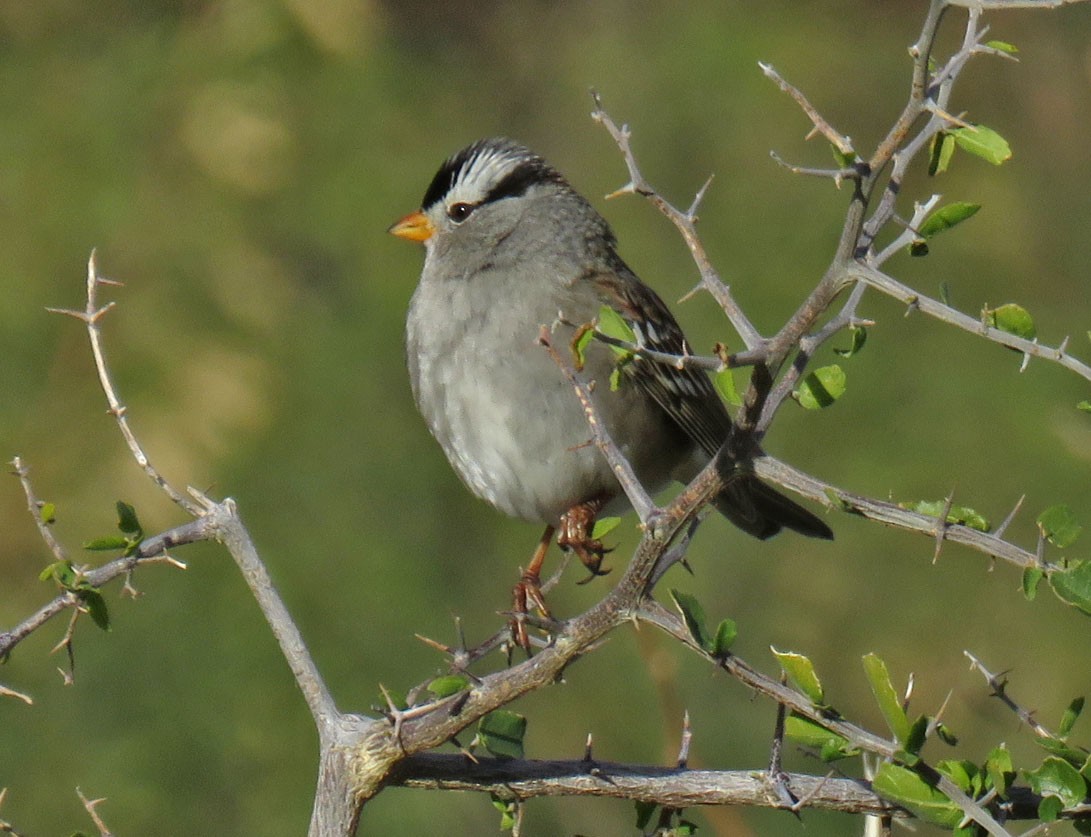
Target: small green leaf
[[724, 381], [801, 672], [502, 733], [999, 768], [694, 616], [889, 702], [837, 500], [1071, 714], [963, 773], [48, 511], [859, 338], [844, 159], [612, 324], [726, 632], [1059, 526], [821, 388], [940, 153], [615, 377], [1050, 808], [1074, 585], [96, 607], [685, 828], [907, 788], [508, 809], [917, 735], [61, 572], [1003, 46], [1085, 406], [579, 346], [811, 734], [449, 684], [1056, 777], [1012, 318], [946, 217], [127, 521], [960, 515], [604, 526], [1058, 748], [944, 733], [982, 142], [644, 811], [1032, 577]]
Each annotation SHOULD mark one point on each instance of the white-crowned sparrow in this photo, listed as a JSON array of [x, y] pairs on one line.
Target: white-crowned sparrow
[[510, 246]]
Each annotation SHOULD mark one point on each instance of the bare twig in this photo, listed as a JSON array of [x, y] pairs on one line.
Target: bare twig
[[90, 805], [91, 316]]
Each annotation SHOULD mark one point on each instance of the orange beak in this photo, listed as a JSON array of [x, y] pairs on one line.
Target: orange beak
[[413, 227]]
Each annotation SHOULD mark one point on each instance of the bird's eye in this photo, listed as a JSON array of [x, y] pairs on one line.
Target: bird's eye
[[459, 212]]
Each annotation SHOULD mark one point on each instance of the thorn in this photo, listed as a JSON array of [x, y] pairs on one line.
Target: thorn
[[431, 643], [628, 189], [941, 530], [587, 748], [1011, 516], [687, 737]]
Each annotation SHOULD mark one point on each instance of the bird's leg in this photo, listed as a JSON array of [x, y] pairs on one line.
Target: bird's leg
[[529, 590], [576, 526]]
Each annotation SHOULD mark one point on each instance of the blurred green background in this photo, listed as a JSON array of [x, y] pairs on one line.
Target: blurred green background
[[236, 164]]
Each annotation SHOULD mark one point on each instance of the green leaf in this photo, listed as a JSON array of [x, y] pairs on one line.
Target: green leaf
[[1074, 585], [1056, 777], [960, 515], [449, 684], [1003, 46], [843, 159], [963, 773], [940, 153], [61, 572], [48, 511], [905, 787], [887, 698], [726, 632], [999, 768], [612, 324], [1061, 750], [1032, 577], [604, 526], [644, 811], [821, 388], [811, 734], [96, 608], [502, 733], [1059, 526], [694, 616], [945, 734], [1050, 808], [801, 672], [982, 142], [1012, 318], [1071, 714], [579, 346], [946, 217], [127, 521], [109, 542], [1085, 406], [724, 381], [859, 338], [918, 732], [508, 809]]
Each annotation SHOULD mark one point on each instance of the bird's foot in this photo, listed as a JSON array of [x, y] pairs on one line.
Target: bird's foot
[[575, 536]]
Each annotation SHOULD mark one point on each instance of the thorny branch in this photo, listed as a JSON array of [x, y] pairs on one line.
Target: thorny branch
[[359, 756]]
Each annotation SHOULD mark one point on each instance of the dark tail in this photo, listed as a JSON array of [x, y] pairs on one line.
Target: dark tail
[[762, 512]]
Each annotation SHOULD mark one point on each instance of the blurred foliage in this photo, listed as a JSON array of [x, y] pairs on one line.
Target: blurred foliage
[[237, 163]]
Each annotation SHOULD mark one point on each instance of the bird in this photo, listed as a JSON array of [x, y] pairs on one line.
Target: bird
[[509, 247]]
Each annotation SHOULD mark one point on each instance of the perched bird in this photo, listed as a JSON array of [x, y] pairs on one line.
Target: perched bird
[[511, 246]]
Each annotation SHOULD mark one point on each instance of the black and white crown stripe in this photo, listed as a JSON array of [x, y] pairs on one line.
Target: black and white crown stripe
[[489, 170]]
